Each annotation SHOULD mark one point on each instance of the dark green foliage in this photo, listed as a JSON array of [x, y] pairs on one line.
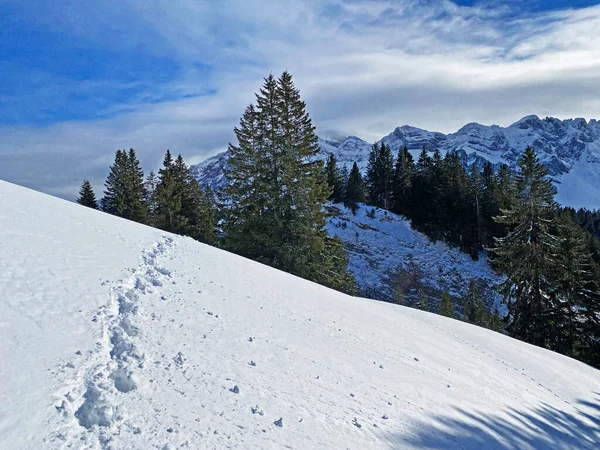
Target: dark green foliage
[[276, 190], [403, 177], [167, 214], [124, 194], [422, 301], [528, 254], [182, 206], [446, 305], [334, 180], [588, 220], [473, 307], [87, 196], [577, 279], [356, 191], [150, 186], [380, 176]]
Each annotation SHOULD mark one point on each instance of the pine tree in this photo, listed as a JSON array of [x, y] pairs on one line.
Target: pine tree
[[136, 208], [422, 195], [344, 175], [380, 176], [276, 190], [168, 198], [473, 308], [456, 215], [113, 201], [124, 194], [403, 178], [334, 179], [577, 314], [150, 186], [527, 255], [182, 205], [356, 189], [446, 305], [422, 301], [476, 193], [87, 196]]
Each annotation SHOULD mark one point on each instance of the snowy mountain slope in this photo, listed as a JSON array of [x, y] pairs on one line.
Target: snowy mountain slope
[[569, 148], [381, 247], [116, 336]]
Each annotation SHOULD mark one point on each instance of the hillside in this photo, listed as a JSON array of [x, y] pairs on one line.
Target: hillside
[[570, 149], [384, 251], [114, 335]]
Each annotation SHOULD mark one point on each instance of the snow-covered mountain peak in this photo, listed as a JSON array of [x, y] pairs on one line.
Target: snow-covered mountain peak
[[570, 149]]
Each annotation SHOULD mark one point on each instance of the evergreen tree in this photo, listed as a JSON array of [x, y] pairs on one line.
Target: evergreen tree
[[476, 193], [446, 305], [577, 315], [334, 179], [182, 205], [380, 176], [276, 190], [356, 189], [473, 308], [113, 201], [150, 186], [344, 175], [168, 199], [403, 177], [124, 194], [136, 208], [422, 301], [87, 196], [456, 216], [422, 195], [527, 255]]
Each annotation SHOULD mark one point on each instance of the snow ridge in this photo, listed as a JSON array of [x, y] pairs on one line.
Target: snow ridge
[[94, 398]]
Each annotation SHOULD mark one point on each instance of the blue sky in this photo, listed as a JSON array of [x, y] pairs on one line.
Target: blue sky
[[81, 79]]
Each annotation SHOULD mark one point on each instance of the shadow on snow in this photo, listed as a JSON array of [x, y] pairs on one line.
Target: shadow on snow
[[544, 427]]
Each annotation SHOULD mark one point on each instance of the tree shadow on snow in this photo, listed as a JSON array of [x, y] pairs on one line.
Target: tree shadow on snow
[[544, 427]]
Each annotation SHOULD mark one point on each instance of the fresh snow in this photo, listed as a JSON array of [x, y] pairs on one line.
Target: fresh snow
[[381, 246], [114, 335]]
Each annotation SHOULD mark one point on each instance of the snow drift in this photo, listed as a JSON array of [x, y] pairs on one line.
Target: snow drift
[[114, 335]]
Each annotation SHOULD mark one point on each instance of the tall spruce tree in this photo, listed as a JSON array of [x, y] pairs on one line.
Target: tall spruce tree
[[182, 205], [87, 196], [473, 308], [168, 199], [422, 195], [577, 321], [356, 190], [334, 179], [446, 305], [124, 188], [380, 176], [276, 190], [403, 178], [150, 185], [528, 254]]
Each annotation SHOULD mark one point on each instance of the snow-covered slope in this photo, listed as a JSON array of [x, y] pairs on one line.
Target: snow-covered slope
[[569, 148], [383, 247], [116, 336]]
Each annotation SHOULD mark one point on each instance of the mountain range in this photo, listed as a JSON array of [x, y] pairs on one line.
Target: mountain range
[[570, 149]]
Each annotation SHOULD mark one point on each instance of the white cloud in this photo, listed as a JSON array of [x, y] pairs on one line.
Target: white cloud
[[364, 67]]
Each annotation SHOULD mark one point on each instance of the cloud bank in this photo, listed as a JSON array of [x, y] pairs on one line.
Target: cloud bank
[[178, 75]]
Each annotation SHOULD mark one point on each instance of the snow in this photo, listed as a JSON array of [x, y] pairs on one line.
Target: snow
[[114, 335], [570, 149], [382, 245]]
